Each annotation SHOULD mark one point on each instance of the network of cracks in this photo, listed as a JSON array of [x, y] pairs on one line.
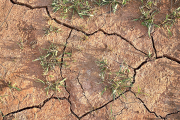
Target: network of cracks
[[129, 90]]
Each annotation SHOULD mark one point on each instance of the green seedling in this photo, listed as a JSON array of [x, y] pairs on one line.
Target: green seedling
[[149, 55], [68, 54], [52, 85], [148, 12], [51, 29], [124, 2], [21, 44], [105, 88], [98, 2], [117, 81], [2, 114], [13, 86], [139, 92], [2, 97], [171, 19], [103, 67], [84, 38], [120, 82], [112, 116], [81, 7], [51, 76], [113, 3], [50, 60]]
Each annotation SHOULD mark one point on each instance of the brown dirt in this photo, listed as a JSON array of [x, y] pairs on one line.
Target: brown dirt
[[114, 37]]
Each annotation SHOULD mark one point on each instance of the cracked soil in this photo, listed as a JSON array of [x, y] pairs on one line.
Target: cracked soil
[[114, 37]]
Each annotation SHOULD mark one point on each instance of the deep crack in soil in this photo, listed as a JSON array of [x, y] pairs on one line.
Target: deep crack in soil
[[154, 46], [35, 106], [91, 34]]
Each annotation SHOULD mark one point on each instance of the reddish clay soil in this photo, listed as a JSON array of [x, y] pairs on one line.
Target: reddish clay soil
[[114, 37]]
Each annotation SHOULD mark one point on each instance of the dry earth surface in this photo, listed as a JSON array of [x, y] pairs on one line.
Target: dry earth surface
[[114, 37]]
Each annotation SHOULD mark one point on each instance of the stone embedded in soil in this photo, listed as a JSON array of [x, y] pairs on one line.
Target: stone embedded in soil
[[158, 81]]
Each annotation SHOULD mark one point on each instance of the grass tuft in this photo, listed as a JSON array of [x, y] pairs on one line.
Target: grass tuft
[[148, 11], [52, 85], [2, 97], [117, 82], [171, 19], [13, 86], [83, 7], [51, 29], [50, 60]]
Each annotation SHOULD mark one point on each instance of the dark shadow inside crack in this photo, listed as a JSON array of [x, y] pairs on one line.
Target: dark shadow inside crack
[[3, 84], [39, 7], [175, 115], [27, 5]]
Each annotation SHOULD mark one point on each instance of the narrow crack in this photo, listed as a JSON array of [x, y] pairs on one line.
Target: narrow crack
[[72, 110], [170, 114], [103, 105], [74, 28], [120, 112], [158, 116], [89, 34], [143, 63], [99, 30], [69, 26], [135, 69], [62, 60], [144, 104], [153, 59], [62, 57], [116, 34], [35, 106], [134, 80], [171, 58], [22, 100], [155, 51], [82, 88], [68, 99], [27, 5], [135, 72], [6, 16], [83, 91], [70, 105]]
